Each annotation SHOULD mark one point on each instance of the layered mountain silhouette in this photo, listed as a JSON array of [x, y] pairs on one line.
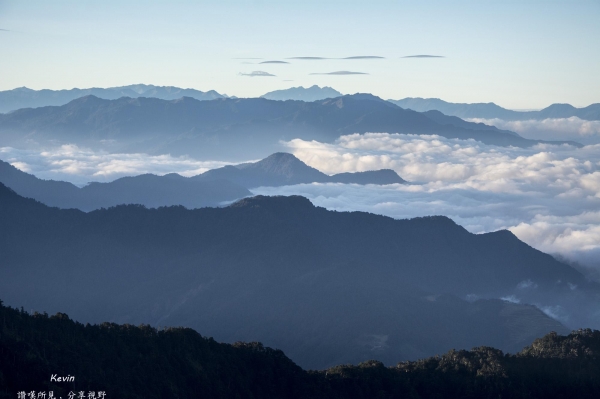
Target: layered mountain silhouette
[[313, 93], [492, 111], [23, 97], [179, 362], [148, 190], [281, 169], [326, 287], [208, 189], [225, 128]]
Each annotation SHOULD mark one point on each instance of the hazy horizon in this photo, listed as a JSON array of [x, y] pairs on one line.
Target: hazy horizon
[[238, 48]]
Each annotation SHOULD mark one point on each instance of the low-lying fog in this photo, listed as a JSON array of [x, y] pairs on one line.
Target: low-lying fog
[[573, 128]]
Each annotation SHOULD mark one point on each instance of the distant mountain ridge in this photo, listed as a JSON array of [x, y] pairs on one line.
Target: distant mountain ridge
[[207, 189], [493, 111], [23, 97], [327, 287], [226, 128], [313, 93]]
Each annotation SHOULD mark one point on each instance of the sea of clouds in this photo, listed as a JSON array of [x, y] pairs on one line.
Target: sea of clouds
[[547, 195], [81, 166]]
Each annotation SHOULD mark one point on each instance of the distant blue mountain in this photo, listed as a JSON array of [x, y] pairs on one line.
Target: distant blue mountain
[[313, 93], [492, 111], [228, 128], [23, 97]]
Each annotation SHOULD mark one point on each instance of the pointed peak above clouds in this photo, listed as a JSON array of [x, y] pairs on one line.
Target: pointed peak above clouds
[[281, 163]]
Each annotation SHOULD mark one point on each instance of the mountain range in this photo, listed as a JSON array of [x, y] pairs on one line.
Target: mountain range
[[327, 287], [211, 188], [493, 111], [313, 93], [22, 97], [233, 129]]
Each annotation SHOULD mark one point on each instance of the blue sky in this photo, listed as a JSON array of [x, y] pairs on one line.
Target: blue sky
[[519, 54]]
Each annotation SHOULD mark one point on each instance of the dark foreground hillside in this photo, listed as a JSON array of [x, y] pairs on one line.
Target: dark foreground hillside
[[141, 362]]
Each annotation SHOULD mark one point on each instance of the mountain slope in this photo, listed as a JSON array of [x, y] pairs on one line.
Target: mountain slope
[[313, 93], [326, 287], [492, 111], [224, 128], [148, 190], [23, 97]]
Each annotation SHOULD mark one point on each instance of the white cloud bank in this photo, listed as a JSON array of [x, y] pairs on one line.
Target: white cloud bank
[[580, 130]]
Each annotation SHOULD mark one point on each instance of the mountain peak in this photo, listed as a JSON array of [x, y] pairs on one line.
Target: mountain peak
[[282, 164], [89, 100], [364, 96], [279, 157]]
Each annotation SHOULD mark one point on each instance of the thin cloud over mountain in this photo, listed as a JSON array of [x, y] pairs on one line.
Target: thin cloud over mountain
[[339, 73], [354, 57], [257, 74]]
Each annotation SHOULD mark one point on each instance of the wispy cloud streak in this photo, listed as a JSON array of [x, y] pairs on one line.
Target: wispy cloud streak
[[339, 73], [354, 57], [424, 56], [363, 57], [308, 58], [257, 74]]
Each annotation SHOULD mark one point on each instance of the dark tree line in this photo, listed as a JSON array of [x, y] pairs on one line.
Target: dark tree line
[[143, 362]]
